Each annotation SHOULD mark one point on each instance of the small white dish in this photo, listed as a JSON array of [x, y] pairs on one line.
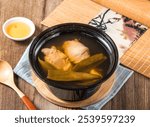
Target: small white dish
[[19, 19]]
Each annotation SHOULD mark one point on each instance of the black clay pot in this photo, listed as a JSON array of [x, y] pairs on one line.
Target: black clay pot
[[101, 41]]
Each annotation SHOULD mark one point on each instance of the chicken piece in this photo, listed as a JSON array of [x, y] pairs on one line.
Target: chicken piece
[[75, 50], [56, 58]]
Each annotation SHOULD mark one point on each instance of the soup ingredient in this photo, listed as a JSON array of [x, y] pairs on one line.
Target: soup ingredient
[[90, 63], [18, 30], [59, 75], [84, 71], [97, 72], [45, 65], [56, 58], [75, 50]]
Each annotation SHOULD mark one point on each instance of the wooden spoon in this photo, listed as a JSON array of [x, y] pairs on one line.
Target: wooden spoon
[[7, 78]]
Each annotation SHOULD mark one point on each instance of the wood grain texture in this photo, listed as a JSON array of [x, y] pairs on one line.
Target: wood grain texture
[[139, 10], [138, 56], [134, 95], [73, 11]]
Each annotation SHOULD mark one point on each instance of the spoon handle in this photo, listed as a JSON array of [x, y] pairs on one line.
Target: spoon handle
[[28, 103], [24, 98]]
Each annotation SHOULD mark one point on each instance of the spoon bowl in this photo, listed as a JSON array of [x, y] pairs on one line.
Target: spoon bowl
[[7, 78], [6, 73]]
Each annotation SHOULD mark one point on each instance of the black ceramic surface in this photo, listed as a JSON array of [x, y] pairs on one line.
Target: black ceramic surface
[[99, 42]]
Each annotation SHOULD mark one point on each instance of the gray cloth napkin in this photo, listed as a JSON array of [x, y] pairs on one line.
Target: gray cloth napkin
[[23, 70]]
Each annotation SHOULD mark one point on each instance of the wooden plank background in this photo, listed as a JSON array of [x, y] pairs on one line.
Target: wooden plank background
[[138, 10], [134, 95]]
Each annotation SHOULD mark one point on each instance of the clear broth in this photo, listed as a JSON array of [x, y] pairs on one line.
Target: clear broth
[[89, 41]]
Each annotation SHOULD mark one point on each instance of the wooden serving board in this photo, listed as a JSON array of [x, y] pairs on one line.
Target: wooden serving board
[[84, 10], [44, 90]]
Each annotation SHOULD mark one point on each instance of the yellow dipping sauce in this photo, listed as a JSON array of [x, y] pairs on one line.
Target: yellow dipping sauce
[[18, 30]]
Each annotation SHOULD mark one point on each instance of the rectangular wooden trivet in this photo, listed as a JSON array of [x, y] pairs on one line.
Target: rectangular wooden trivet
[[84, 10]]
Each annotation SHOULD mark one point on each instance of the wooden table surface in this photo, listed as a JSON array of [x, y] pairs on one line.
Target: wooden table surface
[[135, 94]]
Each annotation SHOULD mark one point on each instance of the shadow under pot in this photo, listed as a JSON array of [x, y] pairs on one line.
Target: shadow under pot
[[94, 39]]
